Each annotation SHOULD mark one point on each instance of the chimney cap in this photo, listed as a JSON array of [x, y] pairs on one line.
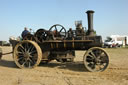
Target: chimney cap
[[90, 11]]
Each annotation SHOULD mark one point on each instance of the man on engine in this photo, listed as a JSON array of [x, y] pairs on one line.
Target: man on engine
[[25, 32]]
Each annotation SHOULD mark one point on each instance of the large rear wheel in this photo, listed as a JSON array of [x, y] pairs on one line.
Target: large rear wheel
[[27, 54]]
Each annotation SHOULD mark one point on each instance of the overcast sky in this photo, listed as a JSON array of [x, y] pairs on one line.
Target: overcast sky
[[110, 17]]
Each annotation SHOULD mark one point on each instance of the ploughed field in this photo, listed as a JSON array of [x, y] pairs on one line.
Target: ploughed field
[[55, 73]]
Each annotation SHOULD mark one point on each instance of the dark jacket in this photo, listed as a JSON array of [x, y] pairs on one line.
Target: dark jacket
[[24, 33]]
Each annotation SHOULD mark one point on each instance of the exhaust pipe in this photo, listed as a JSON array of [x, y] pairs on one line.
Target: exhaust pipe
[[90, 31]]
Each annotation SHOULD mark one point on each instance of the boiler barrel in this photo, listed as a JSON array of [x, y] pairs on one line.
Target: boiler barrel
[[74, 44]]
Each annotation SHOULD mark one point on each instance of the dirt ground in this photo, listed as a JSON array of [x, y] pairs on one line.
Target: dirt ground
[[55, 73]]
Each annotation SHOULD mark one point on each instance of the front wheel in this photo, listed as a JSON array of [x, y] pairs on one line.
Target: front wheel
[[96, 59]]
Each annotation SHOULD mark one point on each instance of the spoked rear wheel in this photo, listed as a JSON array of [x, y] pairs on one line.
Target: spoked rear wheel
[[96, 59], [27, 54]]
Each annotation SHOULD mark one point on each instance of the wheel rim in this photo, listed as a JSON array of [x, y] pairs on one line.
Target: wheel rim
[[27, 54], [96, 59]]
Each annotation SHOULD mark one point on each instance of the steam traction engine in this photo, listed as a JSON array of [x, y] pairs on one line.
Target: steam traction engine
[[59, 44]]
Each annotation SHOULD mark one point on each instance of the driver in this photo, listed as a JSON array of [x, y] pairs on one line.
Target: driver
[[25, 32]]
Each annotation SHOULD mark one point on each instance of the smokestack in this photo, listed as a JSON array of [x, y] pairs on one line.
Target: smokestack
[[90, 31]]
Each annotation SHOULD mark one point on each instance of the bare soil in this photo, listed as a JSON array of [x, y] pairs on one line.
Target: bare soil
[[55, 73]]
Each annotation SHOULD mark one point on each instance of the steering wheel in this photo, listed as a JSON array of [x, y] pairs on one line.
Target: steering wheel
[[41, 35], [60, 30]]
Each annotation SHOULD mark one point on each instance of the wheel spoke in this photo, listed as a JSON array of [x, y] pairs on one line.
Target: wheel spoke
[[91, 65], [61, 29], [20, 54], [21, 58], [33, 52], [100, 54], [29, 64], [32, 48], [26, 47], [21, 46], [23, 64], [93, 54], [29, 49], [104, 59], [31, 61], [26, 63], [89, 59], [21, 49], [55, 27]]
